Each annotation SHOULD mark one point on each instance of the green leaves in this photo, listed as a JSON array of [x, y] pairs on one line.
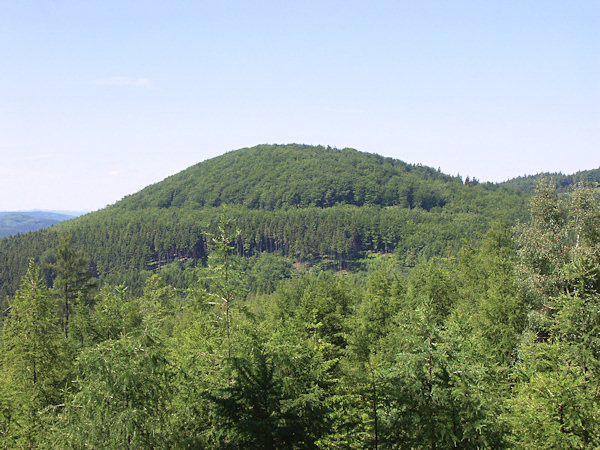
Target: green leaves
[[555, 402]]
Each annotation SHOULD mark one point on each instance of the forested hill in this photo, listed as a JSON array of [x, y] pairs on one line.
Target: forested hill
[[339, 300], [304, 202], [492, 345], [562, 182], [283, 176]]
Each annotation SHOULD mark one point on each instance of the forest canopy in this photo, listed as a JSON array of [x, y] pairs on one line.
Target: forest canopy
[[303, 202], [470, 324]]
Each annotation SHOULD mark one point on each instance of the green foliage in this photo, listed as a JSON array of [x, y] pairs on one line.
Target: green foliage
[[158, 304], [115, 314], [296, 176], [555, 401], [489, 316], [562, 182], [427, 402], [258, 409], [555, 404], [307, 203], [31, 362], [433, 282], [197, 349], [73, 281], [368, 326], [298, 327], [265, 272], [121, 395]]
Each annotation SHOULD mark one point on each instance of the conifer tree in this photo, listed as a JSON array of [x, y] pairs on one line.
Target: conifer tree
[[73, 278], [31, 359], [222, 286], [123, 388]]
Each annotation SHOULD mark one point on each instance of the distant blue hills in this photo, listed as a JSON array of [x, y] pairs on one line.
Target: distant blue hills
[[15, 222]]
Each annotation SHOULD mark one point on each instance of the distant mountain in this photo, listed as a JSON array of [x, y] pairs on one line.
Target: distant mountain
[[59, 212], [15, 222]]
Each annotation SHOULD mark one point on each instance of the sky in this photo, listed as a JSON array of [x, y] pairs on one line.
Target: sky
[[99, 99]]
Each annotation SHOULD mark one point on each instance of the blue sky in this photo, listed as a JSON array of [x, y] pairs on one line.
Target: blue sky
[[98, 99]]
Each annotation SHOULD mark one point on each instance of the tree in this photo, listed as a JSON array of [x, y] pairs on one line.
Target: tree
[[73, 280], [222, 287], [269, 403], [250, 406], [428, 396], [31, 359], [122, 391], [555, 398], [369, 325], [554, 403], [197, 350], [542, 246], [115, 314]]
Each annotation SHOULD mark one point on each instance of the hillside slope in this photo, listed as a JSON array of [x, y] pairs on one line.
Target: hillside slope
[[301, 201], [282, 176]]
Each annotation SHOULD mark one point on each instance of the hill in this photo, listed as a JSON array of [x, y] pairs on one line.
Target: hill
[[444, 342], [295, 176], [562, 182], [305, 202], [12, 223]]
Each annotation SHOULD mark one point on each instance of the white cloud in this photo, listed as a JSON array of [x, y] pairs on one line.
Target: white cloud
[[113, 173], [123, 81]]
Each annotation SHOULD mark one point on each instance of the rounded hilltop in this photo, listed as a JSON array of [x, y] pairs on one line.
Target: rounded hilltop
[[295, 176]]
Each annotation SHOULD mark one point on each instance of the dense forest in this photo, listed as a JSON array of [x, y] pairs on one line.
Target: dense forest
[[376, 305], [306, 203]]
